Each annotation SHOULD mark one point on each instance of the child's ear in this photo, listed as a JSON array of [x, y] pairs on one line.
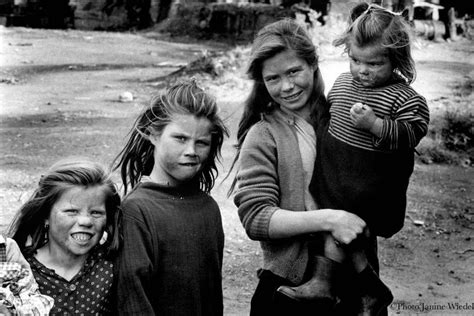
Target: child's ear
[[152, 138], [150, 133]]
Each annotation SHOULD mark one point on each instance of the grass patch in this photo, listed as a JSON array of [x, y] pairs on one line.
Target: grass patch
[[450, 136], [458, 131]]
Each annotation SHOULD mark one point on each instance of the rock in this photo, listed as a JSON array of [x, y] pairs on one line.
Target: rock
[[418, 222], [126, 97]]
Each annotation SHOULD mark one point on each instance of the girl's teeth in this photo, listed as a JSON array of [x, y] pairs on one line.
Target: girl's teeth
[[81, 237], [294, 96]]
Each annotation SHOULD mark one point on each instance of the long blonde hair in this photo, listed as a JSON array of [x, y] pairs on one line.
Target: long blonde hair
[[274, 38], [136, 158], [63, 175]]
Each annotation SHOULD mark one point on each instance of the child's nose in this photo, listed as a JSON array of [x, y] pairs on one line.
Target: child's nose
[[190, 149], [363, 69], [287, 84], [84, 220]]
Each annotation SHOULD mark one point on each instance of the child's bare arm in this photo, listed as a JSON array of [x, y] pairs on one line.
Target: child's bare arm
[[14, 254]]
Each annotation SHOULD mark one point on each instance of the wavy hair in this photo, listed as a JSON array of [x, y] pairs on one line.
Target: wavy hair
[[136, 158], [274, 38], [27, 227], [373, 24]]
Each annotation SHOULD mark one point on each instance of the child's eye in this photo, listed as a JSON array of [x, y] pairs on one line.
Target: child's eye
[[180, 138], [203, 143], [270, 79], [70, 211], [97, 213], [294, 72]]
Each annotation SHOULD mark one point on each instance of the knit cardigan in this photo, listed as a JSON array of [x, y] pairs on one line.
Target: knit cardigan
[[270, 177]]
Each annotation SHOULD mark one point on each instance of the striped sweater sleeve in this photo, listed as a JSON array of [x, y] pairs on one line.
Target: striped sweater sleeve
[[407, 127]]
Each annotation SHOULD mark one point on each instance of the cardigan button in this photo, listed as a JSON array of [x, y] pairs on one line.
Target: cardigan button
[[72, 287]]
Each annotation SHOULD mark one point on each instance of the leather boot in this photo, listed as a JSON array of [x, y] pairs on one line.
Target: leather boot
[[375, 295], [321, 285]]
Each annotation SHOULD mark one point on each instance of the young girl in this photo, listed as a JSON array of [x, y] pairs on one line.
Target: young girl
[[19, 294], [376, 120], [171, 259], [68, 232], [277, 149]]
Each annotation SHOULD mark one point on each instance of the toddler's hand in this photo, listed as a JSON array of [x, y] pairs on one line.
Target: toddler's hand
[[363, 117]]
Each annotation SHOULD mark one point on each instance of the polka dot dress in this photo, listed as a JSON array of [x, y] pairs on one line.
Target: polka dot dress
[[85, 294]]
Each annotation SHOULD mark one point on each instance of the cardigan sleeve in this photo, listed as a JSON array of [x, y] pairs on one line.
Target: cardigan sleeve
[[407, 128], [257, 196], [135, 264]]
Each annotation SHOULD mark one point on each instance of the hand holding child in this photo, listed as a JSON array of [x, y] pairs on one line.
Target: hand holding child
[[346, 227], [363, 117]]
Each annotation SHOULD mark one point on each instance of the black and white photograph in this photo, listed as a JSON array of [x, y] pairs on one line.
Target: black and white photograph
[[237, 157]]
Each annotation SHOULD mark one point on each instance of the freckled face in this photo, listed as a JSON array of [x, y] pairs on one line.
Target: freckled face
[[289, 81], [181, 150], [77, 221], [370, 65]]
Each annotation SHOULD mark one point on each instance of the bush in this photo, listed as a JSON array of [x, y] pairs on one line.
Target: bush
[[449, 139], [458, 133], [433, 151]]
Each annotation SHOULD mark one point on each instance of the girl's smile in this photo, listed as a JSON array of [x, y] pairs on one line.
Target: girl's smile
[[181, 149], [293, 97], [77, 221], [289, 81]]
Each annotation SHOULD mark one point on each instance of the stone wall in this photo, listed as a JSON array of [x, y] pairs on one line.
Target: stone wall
[[182, 17], [229, 20], [114, 14], [99, 14]]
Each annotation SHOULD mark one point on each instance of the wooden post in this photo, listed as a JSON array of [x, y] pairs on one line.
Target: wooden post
[[452, 28]]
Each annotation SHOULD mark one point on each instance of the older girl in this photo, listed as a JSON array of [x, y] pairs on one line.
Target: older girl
[[365, 157], [277, 149], [68, 232], [171, 260]]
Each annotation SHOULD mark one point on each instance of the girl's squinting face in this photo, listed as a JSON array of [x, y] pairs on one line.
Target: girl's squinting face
[[289, 81], [77, 221], [370, 65], [181, 149]]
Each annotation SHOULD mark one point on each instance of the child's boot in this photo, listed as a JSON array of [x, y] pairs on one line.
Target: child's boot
[[375, 295], [321, 285]]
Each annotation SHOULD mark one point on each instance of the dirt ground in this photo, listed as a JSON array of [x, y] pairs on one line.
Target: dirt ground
[[59, 94]]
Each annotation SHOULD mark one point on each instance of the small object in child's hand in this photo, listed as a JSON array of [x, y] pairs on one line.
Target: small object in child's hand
[[357, 107]]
